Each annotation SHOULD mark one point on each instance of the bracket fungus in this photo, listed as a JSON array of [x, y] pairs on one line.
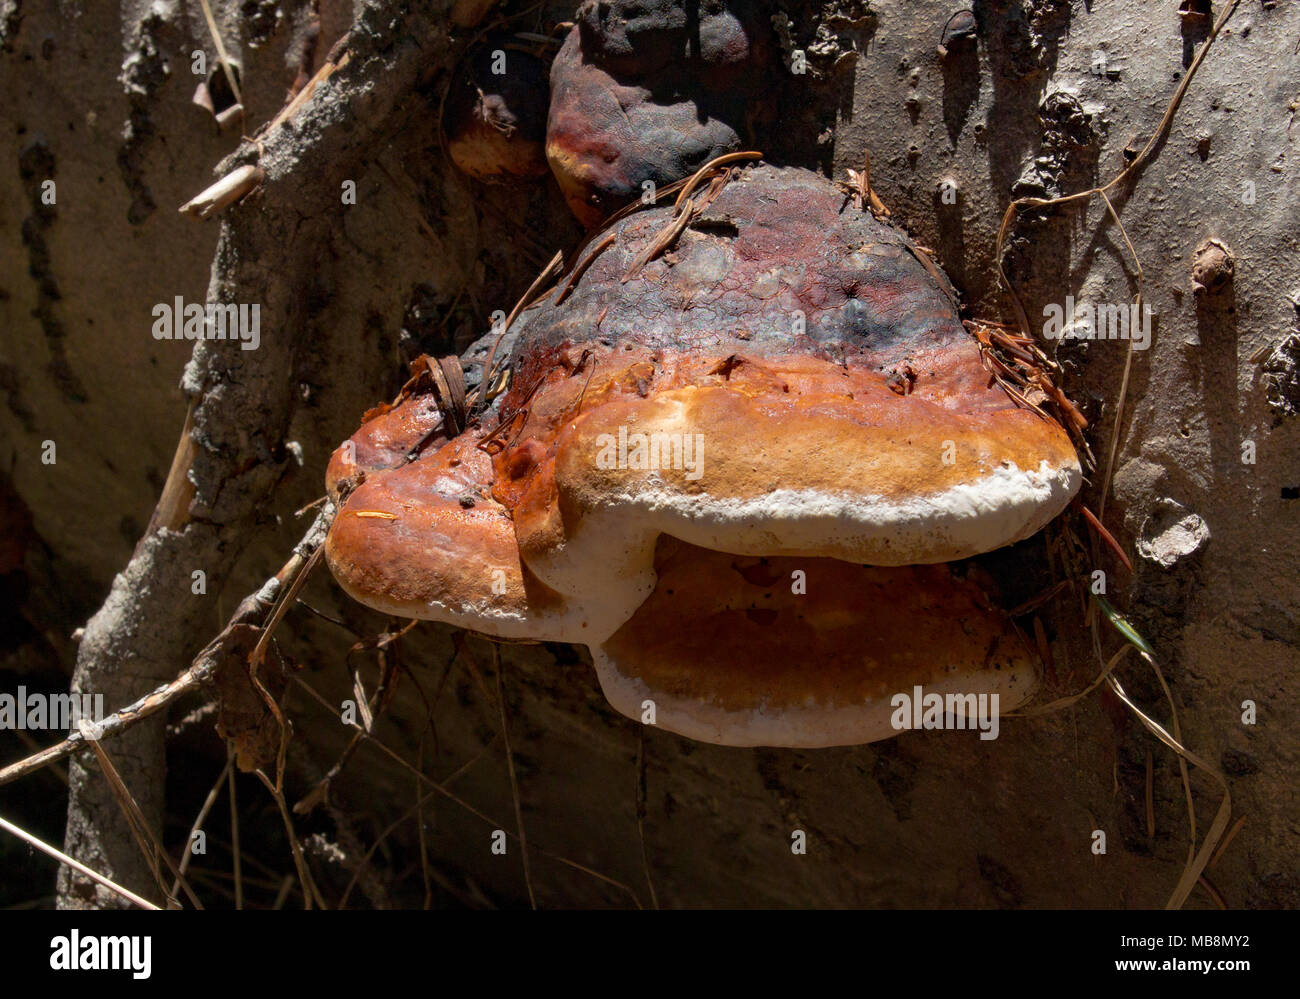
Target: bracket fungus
[[741, 462], [649, 91], [495, 120]]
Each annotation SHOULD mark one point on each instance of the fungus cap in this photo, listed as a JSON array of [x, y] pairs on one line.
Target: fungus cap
[[805, 652], [426, 540], [648, 92], [676, 402], [495, 121]]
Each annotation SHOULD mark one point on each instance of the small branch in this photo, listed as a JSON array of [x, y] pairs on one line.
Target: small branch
[[224, 192], [118, 722], [200, 671]]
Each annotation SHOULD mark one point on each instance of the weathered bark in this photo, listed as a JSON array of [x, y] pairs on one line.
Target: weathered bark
[[243, 402]]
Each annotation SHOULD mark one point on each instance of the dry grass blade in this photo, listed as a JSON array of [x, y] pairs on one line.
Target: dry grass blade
[[713, 190], [581, 269], [1106, 536], [412, 812], [1044, 647], [426, 869], [1065, 702], [1264, 353], [453, 797], [1034, 602], [144, 835], [337, 59], [1128, 361], [1204, 882], [684, 195], [548, 273], [507, 420], [1196, 865], [370, 707], [1223, 844], [514, 780], [641, 813], [921, 256], [1182, 763], [235, 854], [188, 853], [287, 598], [215, 877], [1075, 420], [76, 865], [310, 893], [226, 66], [662, 242], [298, 576], [475, 671], [629, 209], [362, 702], [1150, 796], [379, 840]]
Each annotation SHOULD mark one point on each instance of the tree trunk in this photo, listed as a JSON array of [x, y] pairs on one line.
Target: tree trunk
[[1046, 102]]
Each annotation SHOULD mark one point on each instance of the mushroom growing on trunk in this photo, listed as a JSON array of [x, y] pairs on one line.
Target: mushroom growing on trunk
[[744, 471], [495, 122], [647, 92]]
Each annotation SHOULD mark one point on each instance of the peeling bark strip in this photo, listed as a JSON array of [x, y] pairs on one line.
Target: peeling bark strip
[[242, 404]]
